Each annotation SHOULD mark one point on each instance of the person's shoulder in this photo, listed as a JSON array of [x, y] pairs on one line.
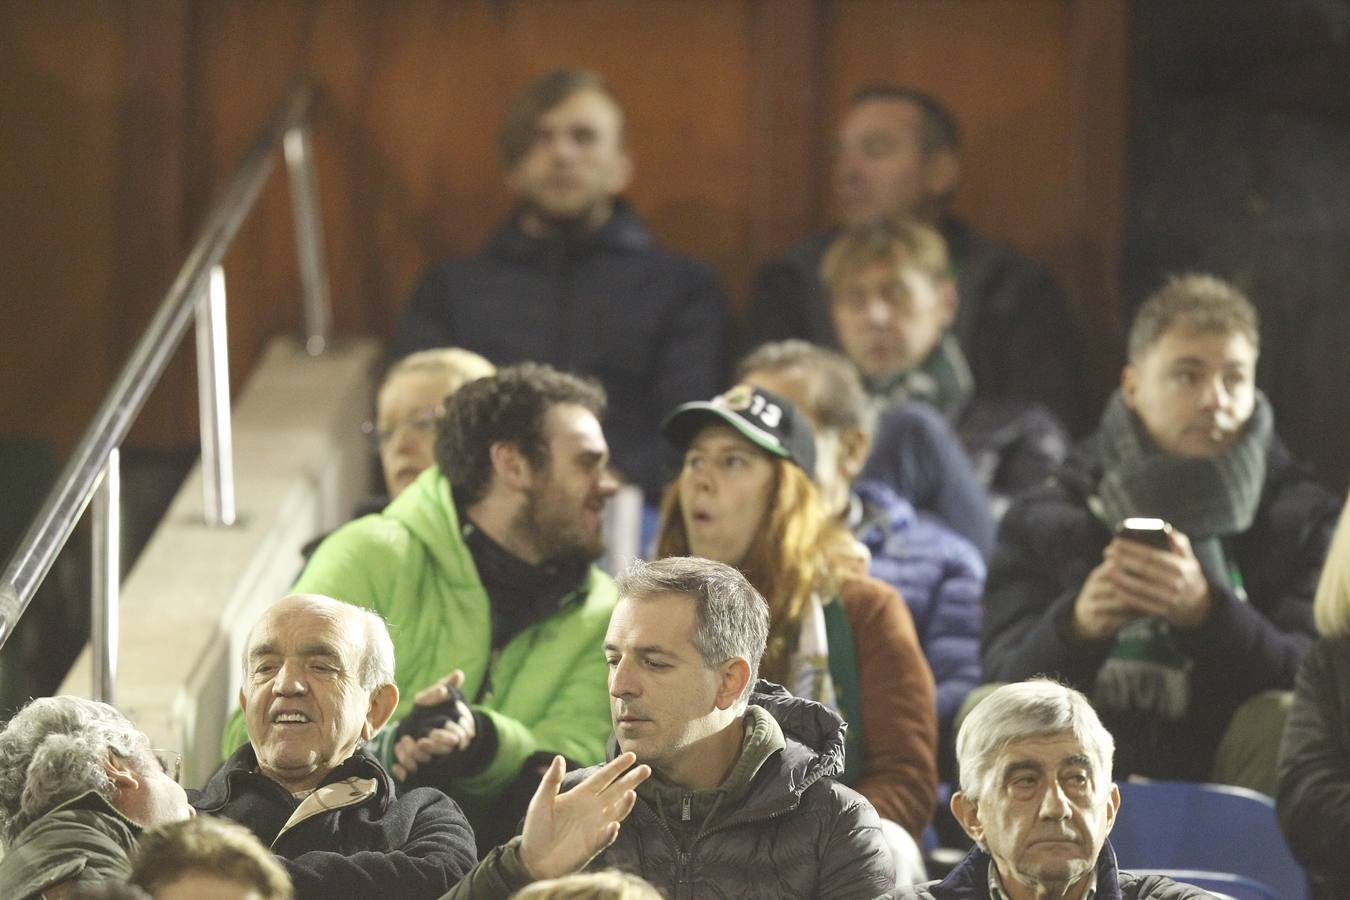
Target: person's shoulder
[[841, 804], [1291, 486], [600, 593], [1158, 887], [374, 533]]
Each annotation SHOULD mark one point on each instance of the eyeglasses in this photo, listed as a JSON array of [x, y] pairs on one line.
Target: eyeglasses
[[170, 761], [422, 423]]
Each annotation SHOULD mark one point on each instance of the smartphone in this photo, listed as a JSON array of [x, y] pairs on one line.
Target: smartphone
[[1152, 532]]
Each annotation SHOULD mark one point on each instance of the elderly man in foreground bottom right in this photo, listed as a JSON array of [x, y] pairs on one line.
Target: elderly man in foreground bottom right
[[1037, 798]]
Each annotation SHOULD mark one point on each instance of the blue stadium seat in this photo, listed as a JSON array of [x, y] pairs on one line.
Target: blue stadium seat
[[1169, 826]]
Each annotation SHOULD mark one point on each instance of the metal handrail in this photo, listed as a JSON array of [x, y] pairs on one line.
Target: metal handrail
[[198, 289]]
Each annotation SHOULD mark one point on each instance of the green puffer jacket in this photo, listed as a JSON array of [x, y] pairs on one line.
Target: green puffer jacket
[[546, 690], [84, 839]]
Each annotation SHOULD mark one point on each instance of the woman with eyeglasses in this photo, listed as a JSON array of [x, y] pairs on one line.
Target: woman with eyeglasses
[[410, 402], [745, 497]]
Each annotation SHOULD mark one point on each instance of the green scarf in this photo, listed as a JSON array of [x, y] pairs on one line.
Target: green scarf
[[943, 380], [1206, 499]]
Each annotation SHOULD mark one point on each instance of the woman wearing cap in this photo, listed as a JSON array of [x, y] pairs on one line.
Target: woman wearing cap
[[744, 496]]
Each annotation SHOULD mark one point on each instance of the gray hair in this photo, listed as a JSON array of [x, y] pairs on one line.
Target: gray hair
[[1038, 708], [377, 666], [733, 619], [54, 750], [835, 397]]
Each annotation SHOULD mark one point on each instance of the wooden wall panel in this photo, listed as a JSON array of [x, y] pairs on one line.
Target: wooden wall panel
[[65, 91], [731, 111]]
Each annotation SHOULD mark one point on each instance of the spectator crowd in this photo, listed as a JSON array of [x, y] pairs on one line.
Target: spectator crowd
[[902, 581]]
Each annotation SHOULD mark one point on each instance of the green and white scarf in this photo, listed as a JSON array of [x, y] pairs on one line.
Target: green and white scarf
[[943, 380], [1206, 499]]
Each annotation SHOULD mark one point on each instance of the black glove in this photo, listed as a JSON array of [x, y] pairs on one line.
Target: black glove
[[473, 760]]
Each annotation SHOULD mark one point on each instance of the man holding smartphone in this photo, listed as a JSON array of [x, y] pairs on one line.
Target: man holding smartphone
[[1179, 629]]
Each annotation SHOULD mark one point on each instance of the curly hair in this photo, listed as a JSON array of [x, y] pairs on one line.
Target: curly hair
[[510, 406], [53, 750], [787, 560]]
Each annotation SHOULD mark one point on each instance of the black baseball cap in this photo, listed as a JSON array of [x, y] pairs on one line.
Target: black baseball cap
[[763, 418]]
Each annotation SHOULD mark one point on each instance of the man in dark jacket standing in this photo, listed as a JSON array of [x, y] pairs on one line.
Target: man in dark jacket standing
[[1037, 798], [574, 279], [1182, 643], [898, 157], [318, 683], [743, 799]]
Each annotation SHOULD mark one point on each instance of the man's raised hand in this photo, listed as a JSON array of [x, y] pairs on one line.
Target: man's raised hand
[[564, 832]]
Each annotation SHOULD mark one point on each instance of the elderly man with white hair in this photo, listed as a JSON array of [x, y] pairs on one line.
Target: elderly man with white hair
[[1037, 798], [78, 784], [318, 684]]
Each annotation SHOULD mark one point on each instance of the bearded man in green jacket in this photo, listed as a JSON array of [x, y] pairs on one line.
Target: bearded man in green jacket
[[483, 569]]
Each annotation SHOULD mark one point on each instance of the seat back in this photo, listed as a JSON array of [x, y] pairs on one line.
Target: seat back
[[1221, 884], [1173, 825]]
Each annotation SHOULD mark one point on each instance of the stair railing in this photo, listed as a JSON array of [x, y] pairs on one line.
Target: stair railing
[[198, 292]]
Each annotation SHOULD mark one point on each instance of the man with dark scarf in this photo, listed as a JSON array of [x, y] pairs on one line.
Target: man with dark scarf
[[894, 303], [1186, 649]]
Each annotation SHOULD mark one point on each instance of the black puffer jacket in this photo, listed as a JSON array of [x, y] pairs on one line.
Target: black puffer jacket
[[1313, 797], [797, 832], [970, 881], [1049, 542], [648, 323], [416, 844]]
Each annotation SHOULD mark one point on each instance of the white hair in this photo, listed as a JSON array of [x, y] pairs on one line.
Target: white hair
[[376, 668], [377, 665], [54, 750], [1038, 708]]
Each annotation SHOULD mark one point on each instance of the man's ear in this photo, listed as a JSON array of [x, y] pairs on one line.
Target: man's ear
[[942, 171], [1129, 386], [1112, 807], [243, 702], [119, 770], [735, 676], [383, 702], [510, 465], [622, 176], [948, 300], [854, 445], [967, 813]]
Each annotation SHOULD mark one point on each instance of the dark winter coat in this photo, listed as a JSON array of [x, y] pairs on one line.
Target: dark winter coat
[[416, 844], [648, 323], [1011, 321], [1050, 541], [797, 832], [970, 881], [919, 456], [1313, 797]]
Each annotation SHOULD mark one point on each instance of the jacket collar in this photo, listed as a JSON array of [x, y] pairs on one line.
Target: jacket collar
[[623, 231], [970, 879], [241, 768]]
